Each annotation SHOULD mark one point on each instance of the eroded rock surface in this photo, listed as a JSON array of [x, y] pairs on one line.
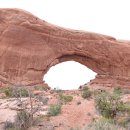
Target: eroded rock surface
[[30, 46]]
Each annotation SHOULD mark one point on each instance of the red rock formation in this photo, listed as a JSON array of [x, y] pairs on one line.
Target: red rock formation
[[30, 46]]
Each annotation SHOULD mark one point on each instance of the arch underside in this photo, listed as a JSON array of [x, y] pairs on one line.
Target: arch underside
[[33, 76], [103, 77]]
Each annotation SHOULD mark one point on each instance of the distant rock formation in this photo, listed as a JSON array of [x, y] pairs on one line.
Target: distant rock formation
[[29, 47]]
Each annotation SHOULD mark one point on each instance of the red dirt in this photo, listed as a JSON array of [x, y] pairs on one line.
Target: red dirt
[[74, 115]]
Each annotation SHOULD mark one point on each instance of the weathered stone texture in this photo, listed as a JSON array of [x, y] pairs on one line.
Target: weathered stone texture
[[30, 46]]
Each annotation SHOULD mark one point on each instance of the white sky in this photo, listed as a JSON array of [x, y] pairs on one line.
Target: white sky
[[110, 17], [68, 75]]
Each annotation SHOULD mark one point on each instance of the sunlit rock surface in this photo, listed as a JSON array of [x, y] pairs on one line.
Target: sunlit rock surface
[[29, 46]]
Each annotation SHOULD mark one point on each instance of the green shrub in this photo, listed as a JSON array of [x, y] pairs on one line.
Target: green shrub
[[123, 118], [16, 92], [42, 99], [25, 117], [65, 98], [54, 110], [20, 92], [109, 104], [86, 93], [103, 124], [98, 91], [123, 121], [9, 125], [117, 90], [42, 87], [8, 91], [23, 120]]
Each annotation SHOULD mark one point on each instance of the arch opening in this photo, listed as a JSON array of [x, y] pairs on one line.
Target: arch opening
[[68, 75]]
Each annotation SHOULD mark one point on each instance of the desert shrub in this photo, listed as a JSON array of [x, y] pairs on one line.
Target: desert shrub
[[86, 93], [8, 91], [65, 98], [42, 87], [16, 92], [20, 92], [25, 117], [109, 104], [42, 99], [118, 90], [9, 125], [123, 118], [123, 121], [103, 124], [98, 91], [54, 110], [23, 120]]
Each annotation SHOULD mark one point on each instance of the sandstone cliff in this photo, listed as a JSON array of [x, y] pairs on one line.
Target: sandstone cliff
[[29, 46]]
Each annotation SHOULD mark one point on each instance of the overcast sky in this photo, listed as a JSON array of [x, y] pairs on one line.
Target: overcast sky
[[110, 17]]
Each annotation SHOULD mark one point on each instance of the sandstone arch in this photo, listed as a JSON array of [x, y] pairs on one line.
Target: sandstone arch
[[30, 46]]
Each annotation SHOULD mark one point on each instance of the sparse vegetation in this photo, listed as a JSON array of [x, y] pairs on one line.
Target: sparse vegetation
[[9, 125], [8, 91], [54, 110], [114, 112], [86, 93], [118, 90], [24, 120], [20, 92], [42, 87], [109, 104], [65, 98], [15, 92], [103, 124], [42, 99], [25, 117]]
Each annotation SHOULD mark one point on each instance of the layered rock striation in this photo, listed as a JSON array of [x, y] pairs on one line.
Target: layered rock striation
[[29, 47]]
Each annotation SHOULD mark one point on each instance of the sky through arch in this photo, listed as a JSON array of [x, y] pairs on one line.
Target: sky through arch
[[68, 75]]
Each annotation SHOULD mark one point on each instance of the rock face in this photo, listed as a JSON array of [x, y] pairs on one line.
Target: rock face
[[30, 46]]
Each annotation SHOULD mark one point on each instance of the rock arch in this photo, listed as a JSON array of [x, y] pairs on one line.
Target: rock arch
[[29, 46]]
